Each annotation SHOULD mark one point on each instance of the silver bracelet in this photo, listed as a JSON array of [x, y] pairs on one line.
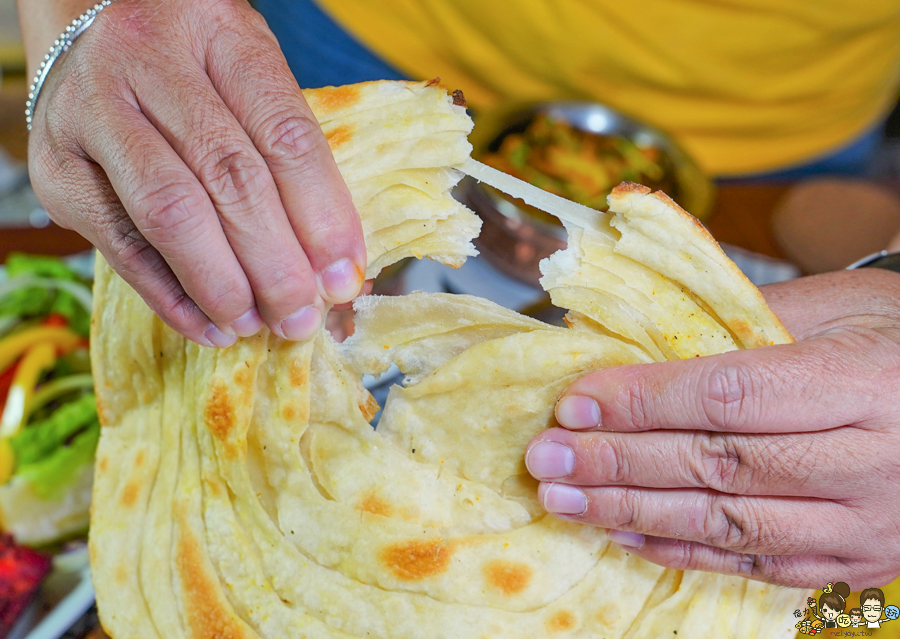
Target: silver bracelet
[[61, 45]]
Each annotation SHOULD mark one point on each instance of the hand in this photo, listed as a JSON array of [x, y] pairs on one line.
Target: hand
[[174, 137], [779, 464]]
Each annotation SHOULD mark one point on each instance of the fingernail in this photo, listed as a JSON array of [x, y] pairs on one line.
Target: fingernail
[[627, 539], [301, 325], [578, 412], [550, 460], [342, 281], [248, 324], [563, 499], [217, 337]]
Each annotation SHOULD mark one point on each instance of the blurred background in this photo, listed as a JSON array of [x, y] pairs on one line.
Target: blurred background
[[758, 220], [774, 228], [23, 224]]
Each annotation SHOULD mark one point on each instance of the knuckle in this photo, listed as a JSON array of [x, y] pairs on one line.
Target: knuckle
[[283, 287], [176, 307], [602, 459], [615, 464], [682, 557], [233, 176], [727, 526], [128, 248], [634, 399], [717, 463], [133, 257], [170, 213], [727, 400], [225, 303], [291, 138], [624, 508]]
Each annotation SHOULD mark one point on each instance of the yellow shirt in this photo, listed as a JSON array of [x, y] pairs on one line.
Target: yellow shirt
[[744, 85]]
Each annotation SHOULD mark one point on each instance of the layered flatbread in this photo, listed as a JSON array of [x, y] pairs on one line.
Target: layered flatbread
[[243, 493]]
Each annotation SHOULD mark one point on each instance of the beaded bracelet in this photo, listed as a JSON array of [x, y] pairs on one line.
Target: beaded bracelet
[[61, 45]]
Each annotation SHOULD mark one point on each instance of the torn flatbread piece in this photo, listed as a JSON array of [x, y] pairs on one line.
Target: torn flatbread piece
[[242, 493]]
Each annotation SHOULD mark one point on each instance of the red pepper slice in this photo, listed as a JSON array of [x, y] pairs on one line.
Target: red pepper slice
[[55, 319], [5, 382]]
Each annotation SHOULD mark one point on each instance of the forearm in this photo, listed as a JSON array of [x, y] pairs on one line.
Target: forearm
[[42, 21]]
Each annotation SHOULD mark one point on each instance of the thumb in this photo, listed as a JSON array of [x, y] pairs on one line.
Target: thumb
[[821, 383]]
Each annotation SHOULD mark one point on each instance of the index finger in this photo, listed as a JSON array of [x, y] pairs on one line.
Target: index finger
[[274, 113], [829, 381]]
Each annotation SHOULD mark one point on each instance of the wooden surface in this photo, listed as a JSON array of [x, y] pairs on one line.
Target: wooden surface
[[51, 240], [13, 135], [742, 216]]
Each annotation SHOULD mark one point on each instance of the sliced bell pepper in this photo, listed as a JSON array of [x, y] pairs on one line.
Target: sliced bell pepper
[[55, 319], [7, 460], [13, 346], [39, 358]]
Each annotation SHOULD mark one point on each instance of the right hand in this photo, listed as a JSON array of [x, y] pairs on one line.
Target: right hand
[[174, 137]]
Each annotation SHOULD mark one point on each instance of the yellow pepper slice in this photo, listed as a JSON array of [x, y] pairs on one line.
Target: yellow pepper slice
[[7, 460], [38, 359], [13, 346]]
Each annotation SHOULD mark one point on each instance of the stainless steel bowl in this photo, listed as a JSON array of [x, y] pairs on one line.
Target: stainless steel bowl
[[515, 241]]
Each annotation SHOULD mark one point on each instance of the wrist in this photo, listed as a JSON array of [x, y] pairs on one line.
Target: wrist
[[42, 21]]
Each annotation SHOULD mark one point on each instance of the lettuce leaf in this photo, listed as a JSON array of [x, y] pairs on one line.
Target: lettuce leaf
[[39, 301], [52, 475], [49, 452], [41, 439]]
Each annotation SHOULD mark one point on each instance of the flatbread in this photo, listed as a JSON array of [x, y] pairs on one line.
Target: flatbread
[[242, 492]]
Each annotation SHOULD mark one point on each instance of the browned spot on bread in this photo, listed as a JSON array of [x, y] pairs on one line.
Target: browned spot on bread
[[414, 560], [214, 484], [372, 503], [243, 378], [219, 414], [102, 415], [288, 413], [433, 82], [744, 332], [509, 577], [630, 187], [561, 621], [139, 459], [121, 574], [206, 612], [298, 373], [103, 464], [130, 494], [368, 405], [334, 98], [608, 614], [340, 135], [459, 99]]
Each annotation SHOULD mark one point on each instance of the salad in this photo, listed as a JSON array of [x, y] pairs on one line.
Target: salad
[[48, 415], [579, 165]]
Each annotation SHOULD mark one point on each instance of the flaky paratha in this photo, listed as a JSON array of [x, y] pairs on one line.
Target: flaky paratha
[[243, 493]]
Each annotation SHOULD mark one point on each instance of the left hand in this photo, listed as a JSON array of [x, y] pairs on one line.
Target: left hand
[[779, 464]]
